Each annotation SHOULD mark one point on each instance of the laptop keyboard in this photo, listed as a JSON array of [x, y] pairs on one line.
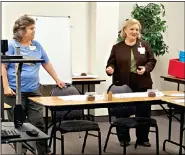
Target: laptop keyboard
[[5, 134]]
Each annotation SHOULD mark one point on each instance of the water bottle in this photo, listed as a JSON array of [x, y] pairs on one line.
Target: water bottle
[[182, 56]]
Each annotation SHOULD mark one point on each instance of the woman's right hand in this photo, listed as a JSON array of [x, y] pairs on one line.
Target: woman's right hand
[[109, 70], [9, 92]]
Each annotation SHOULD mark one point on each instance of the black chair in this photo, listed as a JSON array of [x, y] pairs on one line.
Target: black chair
[[130, 122], [73, 120]]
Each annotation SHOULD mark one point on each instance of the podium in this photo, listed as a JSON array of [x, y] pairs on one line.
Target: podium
[[19, 60]]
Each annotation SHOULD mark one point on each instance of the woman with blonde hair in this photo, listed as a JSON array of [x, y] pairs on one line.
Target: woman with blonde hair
[[130, 63]]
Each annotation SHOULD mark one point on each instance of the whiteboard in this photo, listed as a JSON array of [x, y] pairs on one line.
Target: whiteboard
[[53, 33]]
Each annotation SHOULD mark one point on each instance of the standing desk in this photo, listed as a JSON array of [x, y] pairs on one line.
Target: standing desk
[[19, 61], [24, 137], [56, 104]]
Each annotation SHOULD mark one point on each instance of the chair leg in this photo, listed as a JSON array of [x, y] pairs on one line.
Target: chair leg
[[50, 140], [124, 148], [84, 143], [136, 144], [62, 144], [107, 139], [99, 142], [157, 139], [164, 148]]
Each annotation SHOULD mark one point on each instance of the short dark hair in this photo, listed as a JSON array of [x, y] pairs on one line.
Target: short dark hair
[[20, 26]]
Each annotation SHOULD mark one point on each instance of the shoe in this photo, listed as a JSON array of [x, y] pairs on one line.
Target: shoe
[[122, 143], [145, 144], [50, 153]]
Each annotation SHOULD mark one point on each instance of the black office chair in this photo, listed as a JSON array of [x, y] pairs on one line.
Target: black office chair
[[73, 120], [129, 122]]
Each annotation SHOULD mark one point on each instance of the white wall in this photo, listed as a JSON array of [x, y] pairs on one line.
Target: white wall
[[104, 18], [78, 11], [174, 38]]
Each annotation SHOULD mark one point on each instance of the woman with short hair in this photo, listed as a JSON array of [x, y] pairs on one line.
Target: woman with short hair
[[23, 37]]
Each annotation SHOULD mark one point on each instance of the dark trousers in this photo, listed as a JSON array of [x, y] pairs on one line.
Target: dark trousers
[[122, 133], [142, 110], [34, 113]]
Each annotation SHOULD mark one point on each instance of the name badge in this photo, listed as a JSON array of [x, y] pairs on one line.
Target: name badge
[[141, 50], [32, 48]]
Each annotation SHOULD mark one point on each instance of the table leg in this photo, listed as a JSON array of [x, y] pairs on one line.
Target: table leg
[[169, 113], [180, 144], [178, 86], [46, 120], [18, 148], [181, 131], [170, 123], [88, 110], [184, 133], [46, 126], [2, 101], [54, 135], [83, 89], [88, 89]]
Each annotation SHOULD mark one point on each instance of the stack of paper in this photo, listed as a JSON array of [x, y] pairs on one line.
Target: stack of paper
[[88, 76], [85, 77], [79, 97], [177, 95], [179, 101], [73, 97], [137, 94]]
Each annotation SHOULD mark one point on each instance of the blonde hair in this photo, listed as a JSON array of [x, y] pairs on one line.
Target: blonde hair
[[20, 26], [129, 23]]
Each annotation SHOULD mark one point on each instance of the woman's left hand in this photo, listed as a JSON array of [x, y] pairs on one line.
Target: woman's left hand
[[61, 84], [141, 70]]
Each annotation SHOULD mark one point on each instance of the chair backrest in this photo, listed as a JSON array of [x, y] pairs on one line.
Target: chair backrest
[[119, 89], [69, 90], [69, 114], [121, 111]]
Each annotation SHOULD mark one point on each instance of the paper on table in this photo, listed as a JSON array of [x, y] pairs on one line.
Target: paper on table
[[177, 95], [137, 94], [85, 77], [78, 75], [73, 97], [179, 101], [79, 97]]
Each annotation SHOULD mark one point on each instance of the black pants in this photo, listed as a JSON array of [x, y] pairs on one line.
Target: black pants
[[34, 113], [142, 110], [123, 112]]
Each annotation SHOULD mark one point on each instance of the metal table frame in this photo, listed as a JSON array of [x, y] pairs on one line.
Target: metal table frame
[[170, 115]]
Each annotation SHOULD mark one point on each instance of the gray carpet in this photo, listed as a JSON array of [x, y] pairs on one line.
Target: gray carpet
[[73, 144]]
